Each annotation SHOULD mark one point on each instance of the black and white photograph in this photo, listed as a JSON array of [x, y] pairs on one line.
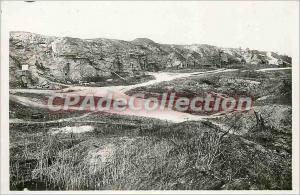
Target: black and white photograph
[[150, 96]]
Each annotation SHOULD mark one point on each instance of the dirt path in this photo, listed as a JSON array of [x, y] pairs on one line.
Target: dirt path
[[21, 121], [159, 77], [167, 115], [119, 91], [272, 69]]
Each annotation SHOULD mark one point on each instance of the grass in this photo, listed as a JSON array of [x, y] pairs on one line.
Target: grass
[[188, 156], [248, 83], [24, 112], [188, 70], [135, 153], [117, 81], [93, 82]]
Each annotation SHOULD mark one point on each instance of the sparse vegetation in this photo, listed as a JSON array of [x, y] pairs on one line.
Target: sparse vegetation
[[238, 151], [193, 155]]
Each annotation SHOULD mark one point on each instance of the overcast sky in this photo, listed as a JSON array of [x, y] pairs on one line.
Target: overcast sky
[[258, 25]]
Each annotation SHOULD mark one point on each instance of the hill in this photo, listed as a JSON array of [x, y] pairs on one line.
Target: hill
[[52, 59]]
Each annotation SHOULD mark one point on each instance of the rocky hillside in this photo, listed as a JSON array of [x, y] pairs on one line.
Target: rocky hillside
[[71, 60]]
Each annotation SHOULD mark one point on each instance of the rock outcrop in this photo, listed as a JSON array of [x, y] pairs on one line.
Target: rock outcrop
[[72, 60]]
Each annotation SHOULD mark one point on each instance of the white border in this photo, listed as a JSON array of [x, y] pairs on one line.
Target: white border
[[5, 129]]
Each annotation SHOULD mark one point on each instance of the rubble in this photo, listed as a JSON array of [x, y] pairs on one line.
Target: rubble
[[72, 60]]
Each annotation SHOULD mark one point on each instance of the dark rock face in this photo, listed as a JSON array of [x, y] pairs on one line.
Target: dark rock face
[[72, 60]]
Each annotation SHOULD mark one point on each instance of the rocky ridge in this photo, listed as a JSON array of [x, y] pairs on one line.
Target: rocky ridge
[[73, 60]]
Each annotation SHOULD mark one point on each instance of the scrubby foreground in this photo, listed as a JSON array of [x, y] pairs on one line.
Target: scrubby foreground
[[100, 151]]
